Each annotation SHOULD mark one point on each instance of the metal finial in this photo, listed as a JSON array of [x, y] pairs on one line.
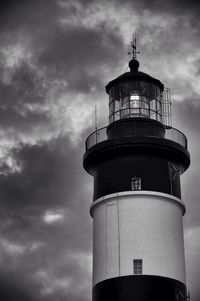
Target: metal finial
[[134, 46], [134, 64]]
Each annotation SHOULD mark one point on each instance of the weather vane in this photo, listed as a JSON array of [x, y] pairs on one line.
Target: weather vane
[[134, 46]]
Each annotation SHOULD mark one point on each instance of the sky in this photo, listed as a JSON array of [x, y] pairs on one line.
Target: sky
[[56, 57]]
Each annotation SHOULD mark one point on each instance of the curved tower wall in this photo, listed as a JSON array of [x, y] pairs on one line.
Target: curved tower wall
[[145, 225]]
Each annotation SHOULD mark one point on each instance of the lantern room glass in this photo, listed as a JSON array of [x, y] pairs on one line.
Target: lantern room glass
[[135, 99]]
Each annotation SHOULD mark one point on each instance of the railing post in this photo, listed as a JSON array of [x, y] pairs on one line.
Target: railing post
[[96, 136]]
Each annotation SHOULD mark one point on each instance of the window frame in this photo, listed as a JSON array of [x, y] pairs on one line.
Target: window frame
[[138, 266], [136, 183]]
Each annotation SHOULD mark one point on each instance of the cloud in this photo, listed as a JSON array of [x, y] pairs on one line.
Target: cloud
[[172, 7], [45, 78], [12, 249], [11, 290], [46, 190], [52, 217], [56, 45]]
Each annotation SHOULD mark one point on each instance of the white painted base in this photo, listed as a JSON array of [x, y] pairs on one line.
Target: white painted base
[[138, 225]]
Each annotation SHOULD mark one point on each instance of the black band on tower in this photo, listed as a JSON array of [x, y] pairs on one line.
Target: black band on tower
[[139, 288]]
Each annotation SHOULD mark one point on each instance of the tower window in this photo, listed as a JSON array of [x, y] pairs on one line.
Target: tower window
[[135, 183], [137, 266]]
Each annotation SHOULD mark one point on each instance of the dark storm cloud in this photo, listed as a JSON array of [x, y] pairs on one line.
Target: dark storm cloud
[[22, 14], [11, 290], [78, 54], [48, 177], [56, 59], [24, 103], [51, 179], [51, 176], [189, 110], [158, 6], [72, 52], [25, 85], [25, 88]]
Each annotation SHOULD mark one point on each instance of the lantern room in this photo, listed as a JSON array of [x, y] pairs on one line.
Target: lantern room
[[136, 94]]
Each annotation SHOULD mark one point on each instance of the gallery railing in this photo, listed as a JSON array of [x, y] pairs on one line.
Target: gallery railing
[[170, 133]]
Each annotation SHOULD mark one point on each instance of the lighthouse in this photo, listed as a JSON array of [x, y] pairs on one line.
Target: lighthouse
[[136, 162]]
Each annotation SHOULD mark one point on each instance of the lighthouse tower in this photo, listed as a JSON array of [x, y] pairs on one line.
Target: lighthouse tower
[[136, 162]]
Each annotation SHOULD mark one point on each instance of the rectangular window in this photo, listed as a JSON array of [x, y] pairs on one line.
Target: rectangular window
[[137, 266], [135, 183]]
